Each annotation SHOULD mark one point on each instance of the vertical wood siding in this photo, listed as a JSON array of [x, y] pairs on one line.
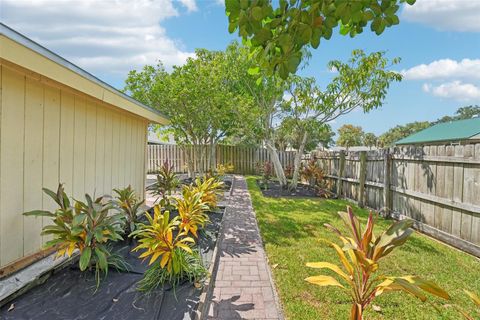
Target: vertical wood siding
[[51, 134]]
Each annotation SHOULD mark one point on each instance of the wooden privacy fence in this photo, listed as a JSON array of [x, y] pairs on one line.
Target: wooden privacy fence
[[437, 186], [244, 159]]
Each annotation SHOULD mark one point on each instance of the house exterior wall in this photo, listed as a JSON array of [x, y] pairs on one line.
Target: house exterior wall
[[50, 133]]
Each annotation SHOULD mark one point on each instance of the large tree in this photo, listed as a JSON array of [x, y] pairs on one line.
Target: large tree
[[360, 83], [266, 92], [286, 135], [462, 113], [198, 97], [279, 32], [370, 140], [349, 136], [401, 131]]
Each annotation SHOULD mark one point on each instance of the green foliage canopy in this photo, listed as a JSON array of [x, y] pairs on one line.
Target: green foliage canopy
[[279, 32], [350, 135]]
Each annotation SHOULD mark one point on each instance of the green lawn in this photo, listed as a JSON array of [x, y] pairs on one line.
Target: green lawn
[[293, 233]]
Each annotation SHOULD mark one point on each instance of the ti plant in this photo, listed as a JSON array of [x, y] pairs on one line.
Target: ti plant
[[191, 210], [476, 301], [86, 227], [360, 258], [157, 240], [289, 171], [208, 190], [267, 173], [127, 203], [167, 182], [312, 173], [223, 169]]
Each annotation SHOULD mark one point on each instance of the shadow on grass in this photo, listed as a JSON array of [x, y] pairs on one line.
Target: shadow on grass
[[414, 244]]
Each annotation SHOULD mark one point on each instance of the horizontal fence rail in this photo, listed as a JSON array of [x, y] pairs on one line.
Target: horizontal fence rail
[[437, 186], [244, 159]]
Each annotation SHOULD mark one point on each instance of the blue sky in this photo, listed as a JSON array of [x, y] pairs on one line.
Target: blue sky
[[110, 37]]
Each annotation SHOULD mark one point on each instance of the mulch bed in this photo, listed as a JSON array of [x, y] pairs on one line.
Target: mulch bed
[[272, 189], [70, 293]]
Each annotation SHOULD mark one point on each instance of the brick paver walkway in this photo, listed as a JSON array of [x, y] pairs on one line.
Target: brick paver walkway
[[243, 287]]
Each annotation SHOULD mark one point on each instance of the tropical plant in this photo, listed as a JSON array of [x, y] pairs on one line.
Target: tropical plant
[[86, 227], [177, 259], [364, 252], [208, 190], [156, 238], [191, 210], [476, 301], [223, 169], [130, 206], [312, 173], [190, 266], [167, 182], [289, 171], [267, 171]]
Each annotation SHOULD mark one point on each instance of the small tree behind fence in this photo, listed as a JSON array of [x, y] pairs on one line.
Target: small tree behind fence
[[438, 186], [244, 159]]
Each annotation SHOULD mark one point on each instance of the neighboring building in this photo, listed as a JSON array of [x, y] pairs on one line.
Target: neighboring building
[[353, 148], [454, 132], [59, 123], [153, 138]]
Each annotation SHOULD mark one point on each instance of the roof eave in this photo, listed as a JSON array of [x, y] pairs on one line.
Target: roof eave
[[22, 51]]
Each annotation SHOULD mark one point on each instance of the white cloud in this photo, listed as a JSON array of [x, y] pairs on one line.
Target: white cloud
[[445, 68], [105, 37], [449, 15], [191, 5], [454, 90]]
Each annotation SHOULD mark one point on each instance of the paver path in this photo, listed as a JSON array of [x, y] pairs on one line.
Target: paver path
[[243, 287]]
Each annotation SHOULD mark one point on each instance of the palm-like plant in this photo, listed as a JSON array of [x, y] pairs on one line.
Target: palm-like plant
[[364, 252], [312, 173], [157, 239], [476, 301], [86, 227], [208, 189], [130, 206], [191, 210], [167, 182]]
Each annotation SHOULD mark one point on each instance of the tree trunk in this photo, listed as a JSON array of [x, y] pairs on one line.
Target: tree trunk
[[277, 165], [298, 160], [200, 159], [190, 161], [213, 156]]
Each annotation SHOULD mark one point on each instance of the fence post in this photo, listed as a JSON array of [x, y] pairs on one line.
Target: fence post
[[361, 178], [340, 173], [387, 193]]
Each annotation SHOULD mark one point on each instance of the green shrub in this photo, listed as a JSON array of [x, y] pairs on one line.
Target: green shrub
[[130, 206], [360, 257], [167, 182], [86, 227]]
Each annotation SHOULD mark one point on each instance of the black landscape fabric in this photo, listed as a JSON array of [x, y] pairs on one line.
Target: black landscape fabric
[[70, 294]]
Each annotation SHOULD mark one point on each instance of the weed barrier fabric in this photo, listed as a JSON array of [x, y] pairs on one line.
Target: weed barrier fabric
[[70, 294]]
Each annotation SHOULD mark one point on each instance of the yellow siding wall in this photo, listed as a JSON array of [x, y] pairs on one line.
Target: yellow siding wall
[[50, 134]]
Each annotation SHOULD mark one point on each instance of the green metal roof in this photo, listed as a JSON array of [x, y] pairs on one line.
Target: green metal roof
[[448, 131]]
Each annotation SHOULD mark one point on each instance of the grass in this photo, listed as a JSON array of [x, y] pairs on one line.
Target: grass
[[293, 234]]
